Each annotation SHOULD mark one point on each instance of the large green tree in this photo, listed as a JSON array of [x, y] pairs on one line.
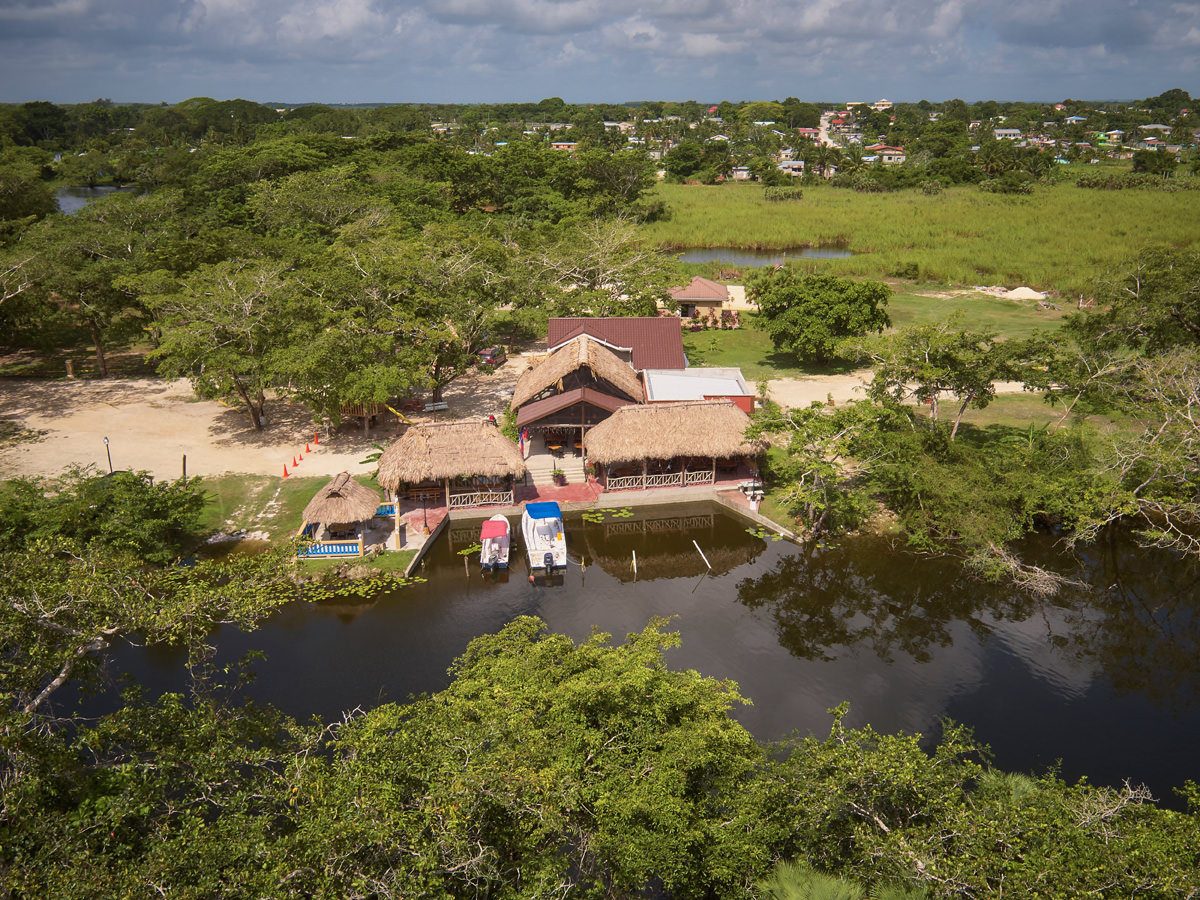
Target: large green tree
[[808, 315], [927, 362], [225, 327]]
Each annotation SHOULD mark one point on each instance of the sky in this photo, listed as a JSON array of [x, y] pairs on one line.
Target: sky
[[489, 51]]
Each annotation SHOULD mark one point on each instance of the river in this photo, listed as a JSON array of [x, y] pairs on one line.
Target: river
[[71, 200], [1103, 678]]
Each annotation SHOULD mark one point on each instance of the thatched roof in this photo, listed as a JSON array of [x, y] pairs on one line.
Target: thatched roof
[[342, 500], [705, 428], [583, 351], [432, 451], [538, 409]]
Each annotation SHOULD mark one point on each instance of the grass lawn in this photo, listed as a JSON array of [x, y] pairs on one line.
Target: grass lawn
[[750, 348], [1061, 237], [265, 503], [912, 304], [391, 563]]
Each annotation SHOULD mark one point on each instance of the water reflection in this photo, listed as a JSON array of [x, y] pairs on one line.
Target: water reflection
[[1131, 619], [71, 200], [1102, 677], [864, 592]]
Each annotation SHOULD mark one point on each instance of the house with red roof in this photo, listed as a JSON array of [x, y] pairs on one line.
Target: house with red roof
[[700, 297], [887, 155], [645, 342]]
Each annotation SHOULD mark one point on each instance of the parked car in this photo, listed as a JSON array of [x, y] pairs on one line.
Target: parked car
[[492, 357]]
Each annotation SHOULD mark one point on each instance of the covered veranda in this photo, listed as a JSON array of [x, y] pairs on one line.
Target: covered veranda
[[560, 423], [673, 445], [459, 465]]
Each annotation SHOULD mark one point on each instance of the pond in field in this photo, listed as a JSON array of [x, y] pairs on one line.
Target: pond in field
[[1103, 677], [751, 258]]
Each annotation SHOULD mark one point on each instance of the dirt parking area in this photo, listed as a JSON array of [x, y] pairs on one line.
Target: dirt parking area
[[151, 424]]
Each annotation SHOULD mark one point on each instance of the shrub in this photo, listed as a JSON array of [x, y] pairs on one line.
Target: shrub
[[782, 194]]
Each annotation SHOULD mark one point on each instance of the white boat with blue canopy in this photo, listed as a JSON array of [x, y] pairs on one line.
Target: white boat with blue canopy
[[545, 539]]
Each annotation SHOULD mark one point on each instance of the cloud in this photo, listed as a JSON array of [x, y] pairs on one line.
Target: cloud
[[487, 50]]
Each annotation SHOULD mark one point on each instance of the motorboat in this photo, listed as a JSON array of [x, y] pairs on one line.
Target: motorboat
[[494, 544], [545, 540]]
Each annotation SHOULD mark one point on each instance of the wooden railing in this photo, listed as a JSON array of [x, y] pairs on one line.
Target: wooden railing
[[664, 479], [623, 482], [481, 498], [667, 525], [332, 548]]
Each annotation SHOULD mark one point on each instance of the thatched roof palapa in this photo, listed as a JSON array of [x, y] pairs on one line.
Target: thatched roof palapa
[[705, 428], [433, 451], [342, 500], [583, 351]]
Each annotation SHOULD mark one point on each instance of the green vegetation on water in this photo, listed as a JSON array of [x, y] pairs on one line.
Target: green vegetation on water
[[1059, 238]]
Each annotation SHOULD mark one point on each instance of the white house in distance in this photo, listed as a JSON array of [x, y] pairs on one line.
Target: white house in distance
[[887, 155]]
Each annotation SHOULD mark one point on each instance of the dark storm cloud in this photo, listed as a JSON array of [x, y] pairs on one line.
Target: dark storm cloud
[[594, 49]]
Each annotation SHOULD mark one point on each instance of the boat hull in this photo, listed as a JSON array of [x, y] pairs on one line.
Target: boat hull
[[544, 536], [495, 544]]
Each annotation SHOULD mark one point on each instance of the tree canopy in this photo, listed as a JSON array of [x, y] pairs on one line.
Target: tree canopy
[[808, 315]]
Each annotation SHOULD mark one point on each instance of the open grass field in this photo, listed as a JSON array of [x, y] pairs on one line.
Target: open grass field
[[262, 504], [750, 349], [1059, 238], [266, 504]]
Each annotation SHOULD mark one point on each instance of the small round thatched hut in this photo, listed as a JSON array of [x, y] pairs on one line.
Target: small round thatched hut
[[441, 451], [343, 500]]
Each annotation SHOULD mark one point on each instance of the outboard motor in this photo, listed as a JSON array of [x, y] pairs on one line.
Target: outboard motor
[[548, 561]]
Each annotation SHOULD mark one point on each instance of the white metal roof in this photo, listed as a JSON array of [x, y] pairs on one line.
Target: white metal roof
[[694, 383]]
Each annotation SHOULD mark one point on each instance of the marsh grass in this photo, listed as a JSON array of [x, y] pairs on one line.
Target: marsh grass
[[1059, 238]]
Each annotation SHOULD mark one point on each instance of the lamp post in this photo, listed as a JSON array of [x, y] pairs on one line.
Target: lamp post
[[425, 512], [108, 453]]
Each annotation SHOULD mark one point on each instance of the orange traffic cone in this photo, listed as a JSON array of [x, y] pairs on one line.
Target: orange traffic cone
[[285, 471], [306, 449], [294, 463], [316, 438]]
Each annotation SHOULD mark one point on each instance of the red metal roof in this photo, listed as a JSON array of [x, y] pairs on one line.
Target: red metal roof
[[656, 341], [531, 412], [701, 289]]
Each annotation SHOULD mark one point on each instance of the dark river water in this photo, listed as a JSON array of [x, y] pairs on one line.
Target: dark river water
[[751, 258], [1103, 678], [71, 200]]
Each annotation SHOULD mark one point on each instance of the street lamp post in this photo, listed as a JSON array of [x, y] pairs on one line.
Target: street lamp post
[[108, 453]]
